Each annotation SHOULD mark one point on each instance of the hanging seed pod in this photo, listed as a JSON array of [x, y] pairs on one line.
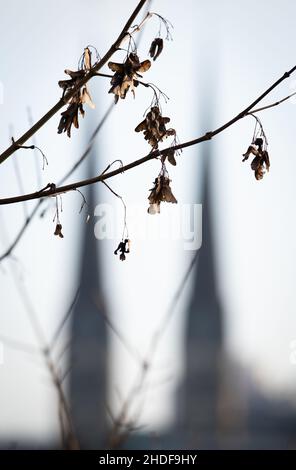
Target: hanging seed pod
[[170, 155], [156, 48], [58, 231]]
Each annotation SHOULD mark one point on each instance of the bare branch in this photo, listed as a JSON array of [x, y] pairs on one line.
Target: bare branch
[[132, 351], [46, 352], [53, 191], [273, 104], [116, 434], [64, 320], [19, 345], [76, 165], [30, 132]]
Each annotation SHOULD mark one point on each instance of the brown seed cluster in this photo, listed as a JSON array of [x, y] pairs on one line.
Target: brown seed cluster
[[81, 96], [126, 74], [161, 192], [126, 78], [154, 127], [261, 161]]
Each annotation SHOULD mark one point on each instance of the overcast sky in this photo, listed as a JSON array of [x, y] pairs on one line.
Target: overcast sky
[[237, 48]]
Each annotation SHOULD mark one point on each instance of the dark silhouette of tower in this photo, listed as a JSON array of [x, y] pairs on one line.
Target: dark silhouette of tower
[[203, 338], [89, 344]]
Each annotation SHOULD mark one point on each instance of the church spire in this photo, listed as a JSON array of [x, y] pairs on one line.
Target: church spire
[[89, 343], [204, 335]]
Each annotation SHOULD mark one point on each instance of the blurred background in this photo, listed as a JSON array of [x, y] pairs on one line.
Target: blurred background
[[177, 347]]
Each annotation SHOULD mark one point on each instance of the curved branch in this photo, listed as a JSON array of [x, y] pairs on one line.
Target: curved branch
[[53, 190], [29, 133], [34, 211]]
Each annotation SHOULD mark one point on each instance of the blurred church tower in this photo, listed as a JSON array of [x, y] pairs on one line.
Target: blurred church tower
[[213, 403], [88, 381], [203, 338]]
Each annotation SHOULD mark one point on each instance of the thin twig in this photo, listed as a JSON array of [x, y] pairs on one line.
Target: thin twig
[[20, 184], [116, 436], [45, 351], [131, 350], [273, 104], [19, 345], [37, 165], [65, 348], [49, 362], [125, 229], [76, 165], [156, 153], [64, 320], [21, 232], [30, 132]]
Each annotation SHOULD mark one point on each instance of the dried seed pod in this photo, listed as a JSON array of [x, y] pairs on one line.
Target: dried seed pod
[[125, 76], [170, 155], [87, 58], [86, 98], [266, 160], [161, 192], [258, 141], [144, 66], [257, 167], [156, 48], [154, 208], [251, 150], [58, 230], [65, 84], [154, 127], [123, 248], [261, 161], [69, 117], [76, 75], [81, 96]]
